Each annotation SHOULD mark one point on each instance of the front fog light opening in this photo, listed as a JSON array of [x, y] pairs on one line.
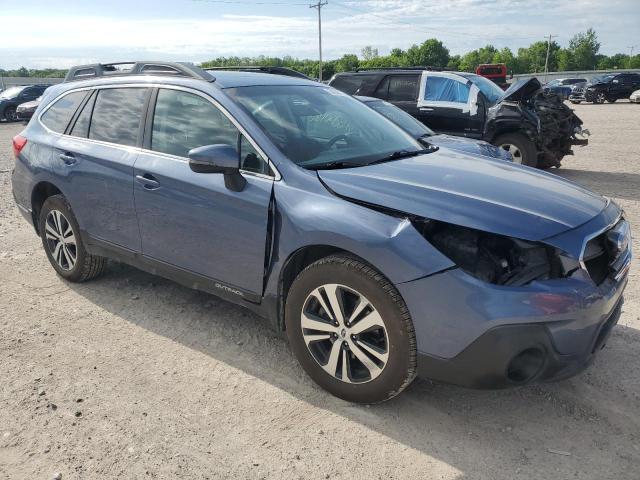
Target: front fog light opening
[[526, 365]]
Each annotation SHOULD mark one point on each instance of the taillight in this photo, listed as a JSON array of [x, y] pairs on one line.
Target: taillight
[[18, 144]]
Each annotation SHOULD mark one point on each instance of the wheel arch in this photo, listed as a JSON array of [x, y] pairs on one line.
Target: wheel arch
[[298, 261], [41, 191]]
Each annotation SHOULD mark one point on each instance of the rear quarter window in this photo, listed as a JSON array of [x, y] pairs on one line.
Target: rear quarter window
[[58, 115], [117, 114], [351, 84]]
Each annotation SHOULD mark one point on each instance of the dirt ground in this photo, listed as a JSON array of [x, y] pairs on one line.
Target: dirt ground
[[133, 376]]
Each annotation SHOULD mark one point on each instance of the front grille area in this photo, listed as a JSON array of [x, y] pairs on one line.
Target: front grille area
[[577, 90], [608, 254]]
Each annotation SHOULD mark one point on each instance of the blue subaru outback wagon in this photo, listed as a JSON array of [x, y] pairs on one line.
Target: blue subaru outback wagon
[[381, 259]]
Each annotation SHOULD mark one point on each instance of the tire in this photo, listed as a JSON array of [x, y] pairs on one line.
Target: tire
[[390, 331], [10, 114], [611, 100], [599, 98], [71, 259], [521, 148], [575, 102]]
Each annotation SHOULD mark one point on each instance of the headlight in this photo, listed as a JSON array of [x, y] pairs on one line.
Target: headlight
[[493, 258]]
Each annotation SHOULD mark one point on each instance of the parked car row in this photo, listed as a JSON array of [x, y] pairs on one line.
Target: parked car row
[[609, 88], [380, 254], [563, 87], [14, 97], [537, 129]]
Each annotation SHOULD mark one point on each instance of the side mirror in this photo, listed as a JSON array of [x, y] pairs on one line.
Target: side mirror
[[223, 159]]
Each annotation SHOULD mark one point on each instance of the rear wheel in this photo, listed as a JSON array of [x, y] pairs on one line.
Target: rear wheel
[[10, 114], [61, 240], [522, 150], [350, 330]]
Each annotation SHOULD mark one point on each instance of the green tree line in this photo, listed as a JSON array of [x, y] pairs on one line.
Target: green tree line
[[582, 53]]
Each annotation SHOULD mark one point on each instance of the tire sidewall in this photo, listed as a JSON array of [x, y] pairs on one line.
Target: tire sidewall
[[399, 365], [58, 202], [526, 147]]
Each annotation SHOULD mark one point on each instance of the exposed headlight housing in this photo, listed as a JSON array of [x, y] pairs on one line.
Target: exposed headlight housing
[[496, 259]]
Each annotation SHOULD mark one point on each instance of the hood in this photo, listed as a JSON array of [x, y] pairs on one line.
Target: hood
[[497, 197], [469, 146], [522, 90], [31, 104]]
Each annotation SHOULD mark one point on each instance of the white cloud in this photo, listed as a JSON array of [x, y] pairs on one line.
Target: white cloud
[[348, 26]]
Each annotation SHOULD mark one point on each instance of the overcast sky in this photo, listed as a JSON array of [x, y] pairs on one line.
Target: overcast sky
[[38, 34]]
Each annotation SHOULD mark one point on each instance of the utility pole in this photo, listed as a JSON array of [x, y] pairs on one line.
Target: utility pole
[[319, 6], [546, 61], [631, 48]]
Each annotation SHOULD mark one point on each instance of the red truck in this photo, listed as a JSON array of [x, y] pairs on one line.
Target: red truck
[[496, 72]]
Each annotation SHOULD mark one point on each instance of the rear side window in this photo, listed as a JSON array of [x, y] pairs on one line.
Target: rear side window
[[350, 84], [57, 116], [403, 88], [441, 89], [116, 115], [81, 127]]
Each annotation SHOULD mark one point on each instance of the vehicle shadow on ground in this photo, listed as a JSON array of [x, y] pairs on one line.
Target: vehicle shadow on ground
[[460, 427], [613, 184]]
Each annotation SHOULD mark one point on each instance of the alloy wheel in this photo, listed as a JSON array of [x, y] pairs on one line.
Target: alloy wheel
[[61, 240], [515, 152], [600, 98], [345, 334]]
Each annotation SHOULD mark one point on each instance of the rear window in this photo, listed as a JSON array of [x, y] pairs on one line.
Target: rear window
[[57, 116], [403, 88], [117, 114], [350, 84]]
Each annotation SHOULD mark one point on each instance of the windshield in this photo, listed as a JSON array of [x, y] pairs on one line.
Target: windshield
[[554, 83], [489, 89], [318, 126], [401, 118], [602, 78], [11, 92]]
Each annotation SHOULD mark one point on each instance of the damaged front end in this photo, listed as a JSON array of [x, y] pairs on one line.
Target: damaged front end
[[496, 259], [560, 129], [552, 126]]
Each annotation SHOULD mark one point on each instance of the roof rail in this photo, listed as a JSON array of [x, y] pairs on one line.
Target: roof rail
[[276, 70], [429, 68], [94, 70]]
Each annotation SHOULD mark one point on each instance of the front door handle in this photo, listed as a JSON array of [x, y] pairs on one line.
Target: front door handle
[[67, 158], [426, 109], [148, 181]]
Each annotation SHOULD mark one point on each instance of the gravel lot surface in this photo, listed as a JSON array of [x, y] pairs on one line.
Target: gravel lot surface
[[133, 376]]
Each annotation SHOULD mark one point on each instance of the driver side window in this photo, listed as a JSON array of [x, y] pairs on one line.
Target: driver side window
[[183, 121]]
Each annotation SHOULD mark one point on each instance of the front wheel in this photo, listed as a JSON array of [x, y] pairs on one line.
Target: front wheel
[[350, 330], [10, 114], [611, 100], [61, 240], [600, 98], [575, 102], [522, 150]]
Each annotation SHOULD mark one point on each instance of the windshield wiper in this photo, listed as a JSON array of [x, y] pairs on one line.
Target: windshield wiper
[[333, 165], [402, 154]]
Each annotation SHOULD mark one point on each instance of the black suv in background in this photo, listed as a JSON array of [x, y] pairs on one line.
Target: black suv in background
[[537, 129], [14, 96], [610, 87]]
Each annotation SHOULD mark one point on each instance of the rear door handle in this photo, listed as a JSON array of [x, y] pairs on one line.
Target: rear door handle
[[67, 158], [148, 181]]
